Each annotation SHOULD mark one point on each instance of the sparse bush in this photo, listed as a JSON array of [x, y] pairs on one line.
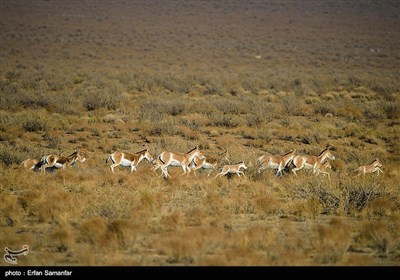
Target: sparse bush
[[225, 121], [9, 157], [323, 109], [33, 124], [155, 109], [99, 98], [392, 109]]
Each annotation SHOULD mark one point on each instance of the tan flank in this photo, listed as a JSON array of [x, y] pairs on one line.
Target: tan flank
[[275, 162], [29, 164], [178, 159], [311, 162]]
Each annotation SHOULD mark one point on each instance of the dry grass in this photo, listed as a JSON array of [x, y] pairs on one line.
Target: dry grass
[[111, 77]]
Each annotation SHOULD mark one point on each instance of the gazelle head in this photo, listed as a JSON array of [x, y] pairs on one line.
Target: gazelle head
[[330, 155], [242, 165], [147, 155], [79, 157], [377, 163]]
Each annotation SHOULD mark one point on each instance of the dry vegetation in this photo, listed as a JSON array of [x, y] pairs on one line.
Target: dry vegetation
[[102, 76]]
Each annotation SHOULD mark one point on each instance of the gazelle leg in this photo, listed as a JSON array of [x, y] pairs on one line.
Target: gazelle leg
[[184, 170], [295, 169], [112, 167], [44, 166], [188, 170], [221, 173]]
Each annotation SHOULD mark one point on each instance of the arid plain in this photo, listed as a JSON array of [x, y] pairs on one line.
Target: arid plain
[[240, 79]]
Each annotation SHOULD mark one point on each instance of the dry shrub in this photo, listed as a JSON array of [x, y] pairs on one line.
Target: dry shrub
[[156, 108], [350, 112], [95, 99], [92, 231], [61, 237], [121, 234], [269, 204], [332, 241], [339, 196], [391, 109], [382, 238], [9, 157]]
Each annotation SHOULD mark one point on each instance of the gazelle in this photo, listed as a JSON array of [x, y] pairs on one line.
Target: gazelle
[[30, 164], [324, 169], [375, 166], [128, 159], [311, 162], [202, 163], [275, 162], [178, 159], [232, 168], [61, 161]]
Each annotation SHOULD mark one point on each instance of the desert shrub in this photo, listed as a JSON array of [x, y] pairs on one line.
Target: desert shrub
[[155, 108], [212, 88], [323, 109], [253, 120], [230, 106], [374, 112], [53, 142], [318, 85], [9, 156], [9, 102], [174, 83], [343, 196], [252, 85], [383, 87], [97, 98], [224, 121], [290, 105], [33, 124], [391, 109]]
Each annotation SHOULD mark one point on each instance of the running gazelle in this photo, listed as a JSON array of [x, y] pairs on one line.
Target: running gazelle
[[275, 162], [166, 159], [128, 159], [374, 166], [61, 162], [311, 162]]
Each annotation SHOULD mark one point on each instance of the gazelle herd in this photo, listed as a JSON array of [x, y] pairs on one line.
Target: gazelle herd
[[194, 160]]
